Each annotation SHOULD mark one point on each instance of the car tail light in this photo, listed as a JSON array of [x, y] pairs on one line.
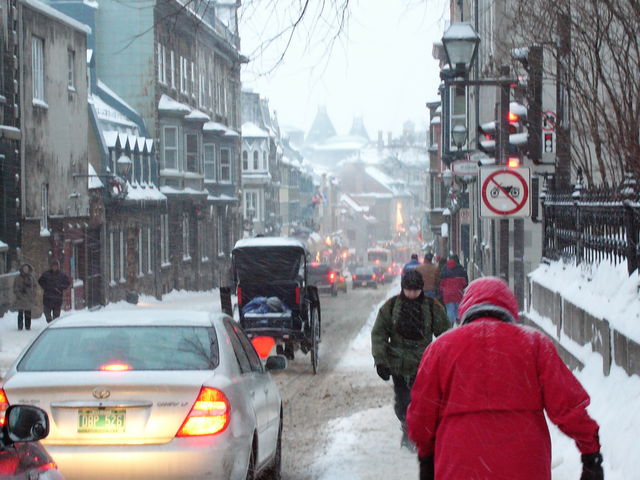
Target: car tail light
[[239, 295], [382, 277], [389, 269], [208, 416], [297, 295], [115, 367], [354, 276], [47, 467], [4, 404], [332, 277], [373, 276]]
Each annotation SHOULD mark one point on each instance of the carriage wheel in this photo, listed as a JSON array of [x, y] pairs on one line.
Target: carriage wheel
[[315, 339]]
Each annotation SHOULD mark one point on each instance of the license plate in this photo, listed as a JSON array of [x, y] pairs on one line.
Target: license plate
[[101, 420], [364, 284]]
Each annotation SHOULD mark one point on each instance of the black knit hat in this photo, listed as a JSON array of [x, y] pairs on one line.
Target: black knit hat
[[412, 280]]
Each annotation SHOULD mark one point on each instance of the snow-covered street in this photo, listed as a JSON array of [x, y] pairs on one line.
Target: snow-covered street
[[340, 423]]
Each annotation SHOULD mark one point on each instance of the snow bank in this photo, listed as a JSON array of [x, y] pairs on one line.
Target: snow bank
[[605, 290]]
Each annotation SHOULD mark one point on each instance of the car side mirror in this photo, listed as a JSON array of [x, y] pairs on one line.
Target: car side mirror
[[26, 423], [276, 362]]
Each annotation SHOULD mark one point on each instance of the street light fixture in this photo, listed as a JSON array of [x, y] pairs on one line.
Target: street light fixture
[[460, 43], [459, 135], [123, 166]]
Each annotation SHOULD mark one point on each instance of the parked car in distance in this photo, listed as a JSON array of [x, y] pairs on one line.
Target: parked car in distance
[[364, 277], [22, 457], [323, 277], [381, 275], [150, 394]]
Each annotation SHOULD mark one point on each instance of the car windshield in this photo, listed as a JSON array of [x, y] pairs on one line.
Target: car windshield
[[133, 348]]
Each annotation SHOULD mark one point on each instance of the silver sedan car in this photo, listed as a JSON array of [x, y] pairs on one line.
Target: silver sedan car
[[152, 395]]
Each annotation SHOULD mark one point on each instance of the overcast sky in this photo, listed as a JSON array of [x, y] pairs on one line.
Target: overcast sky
[[380, 68]]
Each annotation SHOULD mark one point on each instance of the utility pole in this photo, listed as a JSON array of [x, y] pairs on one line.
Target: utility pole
[[502, 153]]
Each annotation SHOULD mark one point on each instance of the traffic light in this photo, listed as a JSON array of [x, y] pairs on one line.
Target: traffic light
[[518, 137], [487, 137]]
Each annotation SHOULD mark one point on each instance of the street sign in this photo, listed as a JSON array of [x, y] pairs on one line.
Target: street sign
[[504, 192], [464, 168], [549, 120]]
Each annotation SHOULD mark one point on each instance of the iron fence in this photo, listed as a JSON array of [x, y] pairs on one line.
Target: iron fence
[[594, 224]]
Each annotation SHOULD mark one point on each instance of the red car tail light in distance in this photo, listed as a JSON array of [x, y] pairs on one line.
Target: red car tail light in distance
[[354, 276], [239, 295], [115, 367], [209, 415], [4, 404], [373, 276], [297, 295], [332, 277]]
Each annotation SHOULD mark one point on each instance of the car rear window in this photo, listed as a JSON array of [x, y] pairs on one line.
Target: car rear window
[[363, 271], [138, 348], [319, 269]]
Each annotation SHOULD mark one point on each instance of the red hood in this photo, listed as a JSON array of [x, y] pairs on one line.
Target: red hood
[[489, 290]]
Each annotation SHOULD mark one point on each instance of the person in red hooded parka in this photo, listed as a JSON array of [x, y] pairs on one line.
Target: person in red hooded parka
[[479, 398], [453, 280]]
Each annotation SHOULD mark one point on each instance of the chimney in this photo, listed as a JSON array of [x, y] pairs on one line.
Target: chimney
[[389, 138], [380, 139]]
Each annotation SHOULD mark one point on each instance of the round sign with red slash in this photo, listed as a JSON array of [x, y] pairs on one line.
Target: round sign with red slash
[[505, 192]]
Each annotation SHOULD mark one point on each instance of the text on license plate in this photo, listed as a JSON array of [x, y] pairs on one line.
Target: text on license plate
[[101, 420]]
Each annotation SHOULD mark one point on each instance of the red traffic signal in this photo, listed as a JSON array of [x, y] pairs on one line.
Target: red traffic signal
[[513, 162]]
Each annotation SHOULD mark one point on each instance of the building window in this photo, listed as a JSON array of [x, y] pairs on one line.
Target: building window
[[222, 236], [71, 70], [203, 238], [209, 161], [172, 69], [264, 161], [162, 64], [251, 205], [210, 96], [164, 240], [186, 254], [149, 252], [202, 91], [37, 70], [225, 165], [123, 256], [193, 80], [112, 259], [184, 75], [73, 262], [170, 147], [255, 161], [44, 206], [191, 141], [245, 160], [140, 253]]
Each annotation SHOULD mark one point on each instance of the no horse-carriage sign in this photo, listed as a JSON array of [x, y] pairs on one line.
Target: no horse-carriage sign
[[504, 192]]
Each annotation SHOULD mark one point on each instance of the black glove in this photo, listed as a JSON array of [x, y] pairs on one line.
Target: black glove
[[592, 466], [383, 372], [426, 468]]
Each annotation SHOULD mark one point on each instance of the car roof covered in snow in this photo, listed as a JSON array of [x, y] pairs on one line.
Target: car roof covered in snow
[[269, 242], [141, 316]]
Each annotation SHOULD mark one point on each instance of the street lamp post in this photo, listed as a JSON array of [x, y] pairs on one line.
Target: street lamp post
[[460, 43]]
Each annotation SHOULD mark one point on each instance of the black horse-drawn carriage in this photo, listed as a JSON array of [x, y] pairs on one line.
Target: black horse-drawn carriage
[[274, 299]]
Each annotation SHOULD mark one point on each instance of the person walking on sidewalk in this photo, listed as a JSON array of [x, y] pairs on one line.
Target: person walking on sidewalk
[[430, 276], [453, 281], [405, 325], [479, 400], [54, 282], [411, 264], [24, 289]]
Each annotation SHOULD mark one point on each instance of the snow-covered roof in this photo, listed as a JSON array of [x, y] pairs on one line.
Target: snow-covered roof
[[53, 13], [110, 114], [351, 203], [112, 137], [380, 177], [113, 94], [167, 190], [93, 180], [3, 246], [250, 129], [168, 104], [214, 127], [197, 115], [435, 120], [221, 198], [144, 191], [342, 142], [269, 242]]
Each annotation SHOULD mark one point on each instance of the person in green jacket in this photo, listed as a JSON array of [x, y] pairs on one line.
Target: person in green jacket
[[405, 325]]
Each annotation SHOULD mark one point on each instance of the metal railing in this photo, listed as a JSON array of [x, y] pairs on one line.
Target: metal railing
[[592, 225]]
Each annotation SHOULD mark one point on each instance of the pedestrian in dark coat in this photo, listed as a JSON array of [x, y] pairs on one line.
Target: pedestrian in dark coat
[[430, 276], [481, 393], [24, 290], [54, 282], [453, 281], [405, 325]]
